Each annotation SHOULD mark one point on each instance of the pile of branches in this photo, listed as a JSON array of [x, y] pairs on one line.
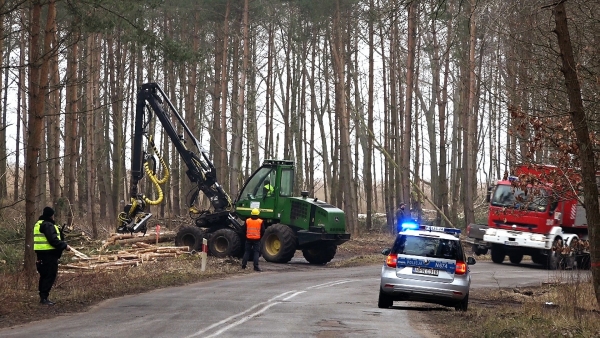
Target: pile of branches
[[141, 251]]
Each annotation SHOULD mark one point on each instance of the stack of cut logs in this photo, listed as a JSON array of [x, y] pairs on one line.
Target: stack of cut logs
[[139, 253]]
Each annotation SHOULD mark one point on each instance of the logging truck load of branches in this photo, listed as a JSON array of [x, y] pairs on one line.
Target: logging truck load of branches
[[538, 211]]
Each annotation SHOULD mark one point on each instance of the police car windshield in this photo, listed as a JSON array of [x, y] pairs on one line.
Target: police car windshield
[[427, 247]]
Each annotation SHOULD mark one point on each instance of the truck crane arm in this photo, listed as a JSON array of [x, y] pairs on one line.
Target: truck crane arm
[[151, 99]]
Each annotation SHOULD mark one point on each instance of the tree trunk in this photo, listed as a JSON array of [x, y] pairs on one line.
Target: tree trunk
[[38, 82], [90, 181], [470, 139], [586, 153], [410, 71], [337, 52]]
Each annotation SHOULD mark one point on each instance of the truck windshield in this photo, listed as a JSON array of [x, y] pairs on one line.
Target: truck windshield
[[510, 197]]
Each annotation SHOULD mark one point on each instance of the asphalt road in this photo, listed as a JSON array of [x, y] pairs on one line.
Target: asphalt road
[[292, 300]]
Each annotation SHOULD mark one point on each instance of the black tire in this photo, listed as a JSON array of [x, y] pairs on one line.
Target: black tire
[[538, 259], [279, 244], [224, 242], [463, 305], [385, 301], [553, 259], [190, 236], [321, 254], [498, 254], [583, 262], [480, 250], [515, 258]]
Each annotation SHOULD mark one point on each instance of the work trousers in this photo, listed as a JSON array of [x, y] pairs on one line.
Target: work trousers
[[252, 246], [47, 267]]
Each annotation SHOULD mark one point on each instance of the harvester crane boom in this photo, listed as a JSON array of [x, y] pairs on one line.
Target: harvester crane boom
[[201, 171]]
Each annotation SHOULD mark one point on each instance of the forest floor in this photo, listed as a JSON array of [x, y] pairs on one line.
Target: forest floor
[[559, 310]]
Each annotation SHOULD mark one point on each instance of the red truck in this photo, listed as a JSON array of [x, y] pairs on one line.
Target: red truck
[[537, 212]]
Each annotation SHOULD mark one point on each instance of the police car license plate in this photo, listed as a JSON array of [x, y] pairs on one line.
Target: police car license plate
[[424, 271]]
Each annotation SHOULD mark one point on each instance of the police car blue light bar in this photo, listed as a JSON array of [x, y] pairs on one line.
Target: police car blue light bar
[[409, 226], [430, 228]]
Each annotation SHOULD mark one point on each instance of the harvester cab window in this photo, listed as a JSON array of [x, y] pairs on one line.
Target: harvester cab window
[[287, 182], [255, 186]]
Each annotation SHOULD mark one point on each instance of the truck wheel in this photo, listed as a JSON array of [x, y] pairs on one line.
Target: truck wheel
[[279, 244], [463, 305], [224, 242], [479, 250], [553, 259], [515, 258], [583, 262], [385, 301], [320, 254], [498, 254], [538, 259], [191, 237]]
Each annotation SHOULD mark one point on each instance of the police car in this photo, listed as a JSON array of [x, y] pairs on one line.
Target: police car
[[426, 264]]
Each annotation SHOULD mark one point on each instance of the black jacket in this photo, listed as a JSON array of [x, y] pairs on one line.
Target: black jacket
[[49, 230]]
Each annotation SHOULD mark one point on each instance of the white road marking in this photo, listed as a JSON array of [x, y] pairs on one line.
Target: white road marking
[[294, 295], [265, 306], [243, 320], [241, 313], [324, 285]]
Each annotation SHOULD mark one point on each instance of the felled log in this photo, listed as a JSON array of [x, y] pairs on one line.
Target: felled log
[[166, 237]]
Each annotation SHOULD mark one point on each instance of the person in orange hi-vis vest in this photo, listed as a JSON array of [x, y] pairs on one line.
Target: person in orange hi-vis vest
[[254, 230]]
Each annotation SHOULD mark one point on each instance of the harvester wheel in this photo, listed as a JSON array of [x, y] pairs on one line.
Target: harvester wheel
[[225, 242], [320, 254], [279, 244], [190, 236]]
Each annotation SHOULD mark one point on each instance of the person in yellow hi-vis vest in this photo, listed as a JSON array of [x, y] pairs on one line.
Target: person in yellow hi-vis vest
[[48, 245], [268, 189], [254, 231]]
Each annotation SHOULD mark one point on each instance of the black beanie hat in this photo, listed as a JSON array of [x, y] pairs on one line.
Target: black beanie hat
[[48, 212]]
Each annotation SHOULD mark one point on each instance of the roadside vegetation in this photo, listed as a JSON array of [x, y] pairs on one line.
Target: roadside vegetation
[[566, 308]]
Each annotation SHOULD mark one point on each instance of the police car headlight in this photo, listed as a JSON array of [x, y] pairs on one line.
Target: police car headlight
[[537, 237], [490, 232]]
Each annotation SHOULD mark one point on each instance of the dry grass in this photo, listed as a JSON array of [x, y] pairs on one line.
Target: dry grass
[[76, 291], [567, 308]]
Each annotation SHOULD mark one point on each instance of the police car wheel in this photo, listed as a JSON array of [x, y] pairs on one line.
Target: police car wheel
[[385, 301], [463, 305]]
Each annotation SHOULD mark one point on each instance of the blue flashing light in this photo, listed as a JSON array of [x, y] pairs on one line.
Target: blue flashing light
[[513, 178], [409, 226], [415, 226]]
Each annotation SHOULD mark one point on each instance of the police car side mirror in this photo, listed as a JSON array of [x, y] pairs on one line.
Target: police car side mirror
[[386, 251], [470, 261]]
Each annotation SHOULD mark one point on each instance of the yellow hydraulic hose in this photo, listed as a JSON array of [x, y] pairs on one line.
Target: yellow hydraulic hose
[[152, 176]]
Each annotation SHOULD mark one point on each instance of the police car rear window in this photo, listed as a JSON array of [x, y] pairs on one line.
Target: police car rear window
[[427, 247]]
